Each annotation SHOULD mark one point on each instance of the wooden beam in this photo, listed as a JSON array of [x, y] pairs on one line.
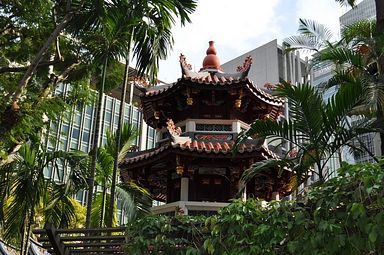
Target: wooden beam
[[90, 230], [84, 238], [54, 239]]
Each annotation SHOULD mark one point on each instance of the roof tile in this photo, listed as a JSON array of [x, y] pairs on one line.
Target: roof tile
[[201, 147]]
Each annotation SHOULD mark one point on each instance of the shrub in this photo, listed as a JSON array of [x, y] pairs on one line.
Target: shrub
[[342, 216]]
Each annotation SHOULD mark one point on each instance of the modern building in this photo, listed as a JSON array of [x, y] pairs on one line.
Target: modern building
[[271, 64], [193, 169], [364, 10], [73, 130]]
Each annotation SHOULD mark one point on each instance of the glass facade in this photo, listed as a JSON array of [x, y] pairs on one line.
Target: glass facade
[[73, 130]]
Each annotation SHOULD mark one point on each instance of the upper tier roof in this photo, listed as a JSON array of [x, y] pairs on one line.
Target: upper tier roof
[[209, 79]]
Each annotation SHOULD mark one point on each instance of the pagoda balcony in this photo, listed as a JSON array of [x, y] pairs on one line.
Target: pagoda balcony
[[206, 130], [189, 208]]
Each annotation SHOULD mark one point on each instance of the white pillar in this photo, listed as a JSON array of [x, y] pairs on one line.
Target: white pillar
[[293, 71], [285, 68], [298, 67], [190, 126], [143, 135], [184, 187], [236, 127], [131, 88], [275, 196]]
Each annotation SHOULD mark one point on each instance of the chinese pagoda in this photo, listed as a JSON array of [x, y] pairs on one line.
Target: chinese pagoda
[[194, 167]]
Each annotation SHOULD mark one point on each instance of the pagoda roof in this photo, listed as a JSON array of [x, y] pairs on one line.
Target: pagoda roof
[[212, 76], [213, 80], [201, 149]]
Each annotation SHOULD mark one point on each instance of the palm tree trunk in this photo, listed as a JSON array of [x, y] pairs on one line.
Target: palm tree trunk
[[118, 140], [28, 232], [103, 205], [321, 175], [118, 145], [379, 16], [22, 247], [380, 31], [380, 121], [96, 138]]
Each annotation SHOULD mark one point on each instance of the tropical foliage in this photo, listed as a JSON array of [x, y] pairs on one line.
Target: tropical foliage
[[28, 197], [316, 129], [135, 201], [357, 58], [119, 27], [345, 215], [77, 42]]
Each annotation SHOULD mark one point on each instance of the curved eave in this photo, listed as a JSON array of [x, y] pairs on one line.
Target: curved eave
[[147, 157], [214, 81]]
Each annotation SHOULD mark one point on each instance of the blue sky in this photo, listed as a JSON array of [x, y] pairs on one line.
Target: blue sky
[[240, 26]]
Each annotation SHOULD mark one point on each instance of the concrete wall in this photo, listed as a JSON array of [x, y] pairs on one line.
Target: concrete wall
[[265, 67], [364, 10]]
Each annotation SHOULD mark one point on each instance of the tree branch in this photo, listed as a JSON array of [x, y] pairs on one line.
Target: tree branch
[[15, 69]]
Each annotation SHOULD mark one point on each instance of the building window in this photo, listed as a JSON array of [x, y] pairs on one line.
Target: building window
[[213, 127]]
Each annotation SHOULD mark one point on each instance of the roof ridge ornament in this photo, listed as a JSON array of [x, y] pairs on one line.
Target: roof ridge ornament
[[246, 65], [175, 133], [211, 62], [183, 62]]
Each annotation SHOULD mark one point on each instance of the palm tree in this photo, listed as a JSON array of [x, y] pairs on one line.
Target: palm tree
[[108, 42], [358, 57], [25, 191], [316, 129], [150, 40], [135, 200]]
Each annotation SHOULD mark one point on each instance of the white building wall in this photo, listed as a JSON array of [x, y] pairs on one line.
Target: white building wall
[[265, 67]]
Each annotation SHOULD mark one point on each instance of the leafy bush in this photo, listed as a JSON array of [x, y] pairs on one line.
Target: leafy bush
[[342, 216], [159, 234]]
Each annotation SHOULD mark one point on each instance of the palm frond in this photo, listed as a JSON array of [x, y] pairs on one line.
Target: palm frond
[[342, 56], [351, 3], [104, 167], [264, 165], [59, 209], [128, 134], [358, 32], [313, 36], [136, 201]]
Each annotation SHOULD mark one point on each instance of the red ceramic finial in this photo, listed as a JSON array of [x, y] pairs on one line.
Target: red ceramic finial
[[211, 61], [211, 49]]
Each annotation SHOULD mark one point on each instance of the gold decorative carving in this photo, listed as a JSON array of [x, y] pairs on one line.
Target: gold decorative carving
[[179, 166], [157, 115], [237, 103], [189, 101], [179, 170]]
